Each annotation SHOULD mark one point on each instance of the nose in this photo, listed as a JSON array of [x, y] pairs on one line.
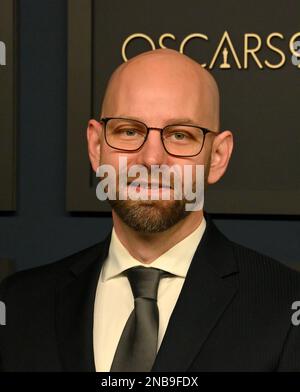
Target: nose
[[153, 151]]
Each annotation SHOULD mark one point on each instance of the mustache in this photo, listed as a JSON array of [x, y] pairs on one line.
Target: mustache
[[146, 184]]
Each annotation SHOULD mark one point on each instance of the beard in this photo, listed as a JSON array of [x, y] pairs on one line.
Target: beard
[[153, 216], [150, 216]]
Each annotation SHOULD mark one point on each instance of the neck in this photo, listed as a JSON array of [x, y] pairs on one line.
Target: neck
[[146, 247]]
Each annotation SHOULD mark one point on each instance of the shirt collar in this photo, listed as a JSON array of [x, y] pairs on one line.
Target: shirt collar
[[176, 260]]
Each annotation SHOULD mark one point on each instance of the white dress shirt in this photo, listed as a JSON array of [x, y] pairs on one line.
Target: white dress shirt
[[114, 301]]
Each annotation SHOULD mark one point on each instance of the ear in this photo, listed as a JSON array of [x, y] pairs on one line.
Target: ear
[[94, 132], [220, 154]]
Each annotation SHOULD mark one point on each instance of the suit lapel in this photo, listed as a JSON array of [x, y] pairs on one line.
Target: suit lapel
[[75, 308], [208, 290]]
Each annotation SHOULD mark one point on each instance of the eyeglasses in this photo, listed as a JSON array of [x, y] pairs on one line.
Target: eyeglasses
[[179, 140]]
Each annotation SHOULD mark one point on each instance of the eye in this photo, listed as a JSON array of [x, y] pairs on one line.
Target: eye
[[182, 134], [130, 132], [179, 135], [127, 132]]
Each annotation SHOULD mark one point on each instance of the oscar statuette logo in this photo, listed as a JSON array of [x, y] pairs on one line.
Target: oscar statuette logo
[[225, 64], [225, 56], [2, 53]]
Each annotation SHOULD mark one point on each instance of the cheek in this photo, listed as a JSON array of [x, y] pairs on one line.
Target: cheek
[[207, 157], [108, 156], [115, 159], [191, 173]]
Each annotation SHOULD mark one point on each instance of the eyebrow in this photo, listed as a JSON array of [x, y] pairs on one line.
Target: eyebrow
[[174, 120]]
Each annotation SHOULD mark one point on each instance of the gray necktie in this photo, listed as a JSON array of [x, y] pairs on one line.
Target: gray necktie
[[137, 346]]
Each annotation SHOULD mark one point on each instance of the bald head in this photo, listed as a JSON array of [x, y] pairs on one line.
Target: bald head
[[162, 85]]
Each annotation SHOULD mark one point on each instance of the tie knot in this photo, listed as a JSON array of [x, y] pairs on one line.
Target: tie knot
[[144, 281]]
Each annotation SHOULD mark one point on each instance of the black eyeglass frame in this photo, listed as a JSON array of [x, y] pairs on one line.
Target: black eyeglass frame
[[204, 130]]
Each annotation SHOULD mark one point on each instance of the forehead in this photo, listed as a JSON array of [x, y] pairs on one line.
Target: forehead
[[159, 88]]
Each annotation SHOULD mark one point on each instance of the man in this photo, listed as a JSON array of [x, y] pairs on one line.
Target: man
[[197, 301]]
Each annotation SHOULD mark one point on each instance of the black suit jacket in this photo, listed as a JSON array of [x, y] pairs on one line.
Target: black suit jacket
[[233, 313]]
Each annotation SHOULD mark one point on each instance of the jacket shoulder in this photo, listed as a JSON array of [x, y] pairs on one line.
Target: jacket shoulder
[[265, 269], [48, 274]]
